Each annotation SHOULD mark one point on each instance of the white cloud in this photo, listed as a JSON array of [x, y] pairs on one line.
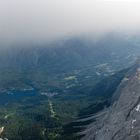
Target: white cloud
[[40, 20]]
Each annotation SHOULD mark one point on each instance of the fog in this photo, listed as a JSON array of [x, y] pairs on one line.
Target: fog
[[48, 20]]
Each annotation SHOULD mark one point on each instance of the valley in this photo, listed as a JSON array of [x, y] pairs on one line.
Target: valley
[[46, 100], [50, 109]]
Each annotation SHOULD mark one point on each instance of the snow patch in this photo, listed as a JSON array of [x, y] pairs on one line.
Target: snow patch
[[138, 108], [133, 121]]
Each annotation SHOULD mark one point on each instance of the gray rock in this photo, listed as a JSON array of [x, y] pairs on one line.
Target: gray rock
[[121, 120]]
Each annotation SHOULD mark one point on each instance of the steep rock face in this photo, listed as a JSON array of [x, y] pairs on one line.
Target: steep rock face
[[122, 120]]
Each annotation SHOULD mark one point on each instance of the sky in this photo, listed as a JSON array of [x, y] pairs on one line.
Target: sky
[[48, 20]]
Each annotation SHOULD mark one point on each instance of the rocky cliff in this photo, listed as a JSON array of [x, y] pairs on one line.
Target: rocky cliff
[[121, 121]]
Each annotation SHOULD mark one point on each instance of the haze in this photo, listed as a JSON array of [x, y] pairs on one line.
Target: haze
[[45, 20]]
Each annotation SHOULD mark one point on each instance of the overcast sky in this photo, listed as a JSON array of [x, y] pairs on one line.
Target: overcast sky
[[43, 20]]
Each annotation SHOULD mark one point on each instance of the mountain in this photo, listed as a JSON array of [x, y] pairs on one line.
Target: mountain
[[49, 64], [46, 90], [121, 120], [67, 55]]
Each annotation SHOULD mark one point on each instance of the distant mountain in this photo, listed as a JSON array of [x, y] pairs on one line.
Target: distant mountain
[[121, 120], [71, 54]]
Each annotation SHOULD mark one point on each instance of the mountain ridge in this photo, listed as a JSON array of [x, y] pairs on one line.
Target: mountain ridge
[[121, 119]]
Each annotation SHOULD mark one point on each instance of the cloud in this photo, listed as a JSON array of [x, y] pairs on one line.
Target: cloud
[[43, 20]]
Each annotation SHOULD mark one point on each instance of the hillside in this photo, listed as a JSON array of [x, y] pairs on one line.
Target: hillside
[[121, 119]]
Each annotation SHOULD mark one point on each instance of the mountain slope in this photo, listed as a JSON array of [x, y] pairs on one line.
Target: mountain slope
[[67, 55], [121, 120]]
